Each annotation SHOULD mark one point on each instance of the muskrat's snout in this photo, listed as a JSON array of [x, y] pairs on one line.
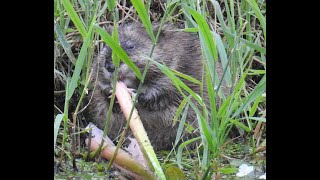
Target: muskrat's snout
[[125, 74], [109, 66]]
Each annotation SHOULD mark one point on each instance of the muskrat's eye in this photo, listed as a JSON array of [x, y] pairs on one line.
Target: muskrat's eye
[[129, 45]]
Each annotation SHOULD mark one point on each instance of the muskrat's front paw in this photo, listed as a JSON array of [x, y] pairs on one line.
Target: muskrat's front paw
[[142, 97], [133, 92], [145, 97], [109, 94]]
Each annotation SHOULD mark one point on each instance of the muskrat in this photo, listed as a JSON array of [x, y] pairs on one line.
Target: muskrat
[[159, 99]]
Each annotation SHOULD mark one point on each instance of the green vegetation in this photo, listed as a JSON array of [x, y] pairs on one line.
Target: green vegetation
[[232, 31]]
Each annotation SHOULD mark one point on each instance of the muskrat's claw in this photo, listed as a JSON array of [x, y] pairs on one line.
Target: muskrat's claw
[[111, 90], [133, 92]]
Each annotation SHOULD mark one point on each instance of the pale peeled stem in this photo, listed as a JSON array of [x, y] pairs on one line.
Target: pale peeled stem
[[136, 126]]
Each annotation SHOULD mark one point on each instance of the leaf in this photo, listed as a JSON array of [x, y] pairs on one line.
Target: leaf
[[179, 110], [254, 46], [174, 173], [192, 30], [212, 96], [258, 90], [138, 5], [115, 36], [187, 77], [181, 146], [177, 81], [56, 126], [80, 61], [209, 137], [223, 57], [181, 125], [220, 16], [75, 18], [228, 170], [261, 119], [255, 106], [205, 31], [103, 10], [241, 125], [63, 41], [111, 4], [259, 15]]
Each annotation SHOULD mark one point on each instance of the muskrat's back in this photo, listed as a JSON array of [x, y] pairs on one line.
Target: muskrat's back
[[159, 99]]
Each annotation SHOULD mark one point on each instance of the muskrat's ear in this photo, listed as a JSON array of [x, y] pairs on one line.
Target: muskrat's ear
[[165, 26], [156, 27]]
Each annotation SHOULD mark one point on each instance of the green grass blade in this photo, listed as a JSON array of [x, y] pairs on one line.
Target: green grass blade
[[118, 50], [207, 42], [240, 20], [255, 106], [83, 6], [103, 10], [228, 170], [260, 88], [55, 8], [179, 110], [205, 31], [111, 4], [259, 15], [79, 64], [192, 30], [261, 119], [205, 157], [177, 81], [229, 105], [63, 41], [207, 134], [181, 125], [237, 90], [224, 107], [233, 26], [254, 46], [212, 100], [181, 146], [189, 20], [209, 60], [115, 36], [217, 8], [224, 27], [223, 57], [140, 8], [75, 18], [241, 125], [187, 77], [256, 72], [56, 126]]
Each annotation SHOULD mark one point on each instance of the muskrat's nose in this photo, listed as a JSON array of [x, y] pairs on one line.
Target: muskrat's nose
[[110, 67]]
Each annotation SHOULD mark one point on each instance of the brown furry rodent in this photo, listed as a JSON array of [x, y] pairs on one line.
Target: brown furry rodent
[[159, 99]]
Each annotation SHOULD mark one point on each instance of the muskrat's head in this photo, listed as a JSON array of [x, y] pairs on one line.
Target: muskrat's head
[[135, 41]]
